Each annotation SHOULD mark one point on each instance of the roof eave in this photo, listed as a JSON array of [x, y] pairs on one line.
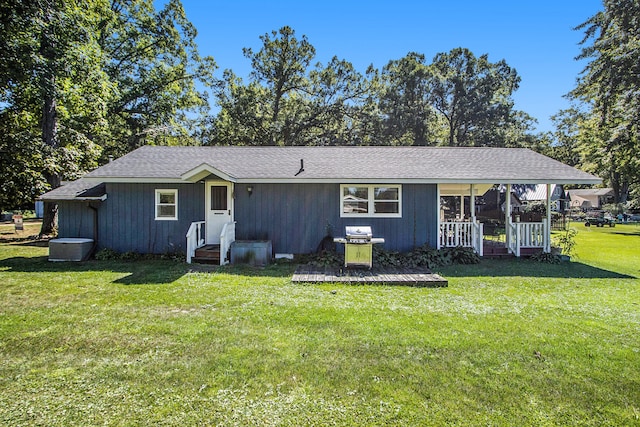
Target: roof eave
[[73, 199], [198, 176]]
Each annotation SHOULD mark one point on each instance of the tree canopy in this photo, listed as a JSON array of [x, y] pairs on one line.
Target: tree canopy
[[604, 133], [82, 80], [458, 99], [289, 101]]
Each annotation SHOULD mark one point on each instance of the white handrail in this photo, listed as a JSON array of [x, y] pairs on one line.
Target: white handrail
[[479, 237], [195, 239], [546, 235], [227, 237], [513, 237], [459, 233], [528, 235], [531, 234]]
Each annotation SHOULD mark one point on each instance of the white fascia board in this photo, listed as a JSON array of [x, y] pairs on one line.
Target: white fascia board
[[412, 181], [75, 199], [191, 178], [517, 181], [92, 199], [552, 181], [345, 180], [204, 170], [134, 180]]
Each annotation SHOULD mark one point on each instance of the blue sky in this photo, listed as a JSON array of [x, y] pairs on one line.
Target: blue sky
[[534, 36]]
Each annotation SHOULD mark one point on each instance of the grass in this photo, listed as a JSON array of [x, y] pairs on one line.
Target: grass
[[159, 342], [30, 227]]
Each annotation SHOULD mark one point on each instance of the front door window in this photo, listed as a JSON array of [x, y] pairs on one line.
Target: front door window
[[219, 198]]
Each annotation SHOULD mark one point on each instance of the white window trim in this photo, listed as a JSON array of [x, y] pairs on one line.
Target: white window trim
[[157, 203], [371, 201]]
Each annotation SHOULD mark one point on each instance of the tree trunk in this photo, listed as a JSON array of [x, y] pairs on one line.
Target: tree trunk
[[49, 114], [620, 188], [49, 137], [49, 219]]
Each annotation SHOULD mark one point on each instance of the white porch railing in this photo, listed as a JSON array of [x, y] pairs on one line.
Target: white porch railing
[[465, 234], [195, 239], [227, 237], [528, 235]]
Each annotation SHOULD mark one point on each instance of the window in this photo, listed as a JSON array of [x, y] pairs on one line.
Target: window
[[370, 201], [166, 204], [219, 198]]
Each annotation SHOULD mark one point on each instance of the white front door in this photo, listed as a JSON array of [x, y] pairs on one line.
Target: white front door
[[219, 208]]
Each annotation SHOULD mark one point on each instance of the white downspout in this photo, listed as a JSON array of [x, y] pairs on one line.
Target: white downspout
[[507, 214], [547, 231], [438, 237], [477, 227], [472, 202]]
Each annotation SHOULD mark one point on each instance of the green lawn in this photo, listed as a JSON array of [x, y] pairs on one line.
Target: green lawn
[[30, 227], [163, 343]]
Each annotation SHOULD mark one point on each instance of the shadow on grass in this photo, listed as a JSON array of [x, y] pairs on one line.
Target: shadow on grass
[[25, 241], [622, 233], [530, 268], [139, 272], [152, 272]]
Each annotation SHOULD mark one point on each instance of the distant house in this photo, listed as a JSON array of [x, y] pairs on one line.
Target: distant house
[[537, 193], [167, 199], [522, 195], [592, 198], [493, 202]]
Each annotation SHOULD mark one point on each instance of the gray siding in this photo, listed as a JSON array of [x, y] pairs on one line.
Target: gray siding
[[127, 218], [75, 219], [295, 217]]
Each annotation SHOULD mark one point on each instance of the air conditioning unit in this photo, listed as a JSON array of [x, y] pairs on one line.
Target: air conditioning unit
[[69, 249]]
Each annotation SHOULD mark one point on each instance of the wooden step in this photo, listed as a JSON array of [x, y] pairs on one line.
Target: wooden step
[[212, 261], [491, 249], [498, 250], [528, 252], [208, 254]]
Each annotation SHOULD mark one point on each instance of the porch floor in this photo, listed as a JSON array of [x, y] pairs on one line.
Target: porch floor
[[377, 276]]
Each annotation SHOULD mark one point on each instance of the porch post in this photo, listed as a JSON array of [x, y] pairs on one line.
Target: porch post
[[507, 214], [461, 207], [547, 231], [472, 203], [438, 230], [478, 242]]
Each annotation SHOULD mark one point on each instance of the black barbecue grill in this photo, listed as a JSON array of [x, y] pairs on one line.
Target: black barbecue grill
[[358, 245]]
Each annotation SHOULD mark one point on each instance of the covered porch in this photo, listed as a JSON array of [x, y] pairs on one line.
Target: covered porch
[[462, 229]]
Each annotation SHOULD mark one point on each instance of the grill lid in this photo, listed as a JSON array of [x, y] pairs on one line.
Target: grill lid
[[358, 232]]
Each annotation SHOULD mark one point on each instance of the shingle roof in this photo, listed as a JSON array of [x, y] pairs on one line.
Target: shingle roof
[[80, 189], [343, 164], [591, 192], [534, 192]]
